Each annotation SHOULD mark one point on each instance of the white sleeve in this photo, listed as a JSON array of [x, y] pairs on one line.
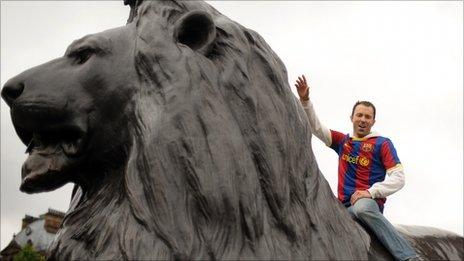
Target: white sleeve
[[392, 183], [319, 130]]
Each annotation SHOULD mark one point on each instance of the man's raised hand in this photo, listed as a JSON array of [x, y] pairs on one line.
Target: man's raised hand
[[302, 88]]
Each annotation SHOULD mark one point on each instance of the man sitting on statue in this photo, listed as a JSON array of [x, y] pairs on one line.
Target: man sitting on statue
[[365, 158]]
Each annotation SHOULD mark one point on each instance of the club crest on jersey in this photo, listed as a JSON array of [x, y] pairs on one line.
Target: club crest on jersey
[[367, 147], [363, 161]]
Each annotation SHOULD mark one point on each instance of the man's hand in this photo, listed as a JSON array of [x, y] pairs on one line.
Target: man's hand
[[302, 88], [359, 194]]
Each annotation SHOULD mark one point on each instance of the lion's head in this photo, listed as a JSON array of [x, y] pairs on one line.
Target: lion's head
[[72, 112], [184, 140]]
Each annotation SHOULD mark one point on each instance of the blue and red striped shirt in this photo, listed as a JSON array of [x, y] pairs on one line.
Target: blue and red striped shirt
[[362, 162]]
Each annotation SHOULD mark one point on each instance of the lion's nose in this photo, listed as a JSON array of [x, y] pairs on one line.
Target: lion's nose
[[11, 91]]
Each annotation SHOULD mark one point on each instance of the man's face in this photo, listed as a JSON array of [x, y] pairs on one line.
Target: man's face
[[363, 120]]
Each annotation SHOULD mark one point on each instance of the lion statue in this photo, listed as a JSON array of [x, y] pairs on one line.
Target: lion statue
[[184, 141]]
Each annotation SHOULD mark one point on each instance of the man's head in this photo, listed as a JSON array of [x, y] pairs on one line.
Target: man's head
[[363, 118]]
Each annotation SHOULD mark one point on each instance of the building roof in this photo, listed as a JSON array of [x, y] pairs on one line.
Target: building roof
[[11, 248], [54, 212]]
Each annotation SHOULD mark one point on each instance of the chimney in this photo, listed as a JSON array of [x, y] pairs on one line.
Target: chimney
[[27, 220]]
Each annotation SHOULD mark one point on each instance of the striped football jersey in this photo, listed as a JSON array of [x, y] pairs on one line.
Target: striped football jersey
[[362, 162]]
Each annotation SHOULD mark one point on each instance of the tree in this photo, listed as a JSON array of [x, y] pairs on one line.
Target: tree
[[28, 253]]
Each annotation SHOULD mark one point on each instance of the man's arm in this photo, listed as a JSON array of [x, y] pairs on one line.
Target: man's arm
[[319, 130], [392, 183], [394, 180], [395, 174]]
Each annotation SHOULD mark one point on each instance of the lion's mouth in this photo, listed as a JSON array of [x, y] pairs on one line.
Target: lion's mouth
[[56, 143], [52, 153], [71, 142]]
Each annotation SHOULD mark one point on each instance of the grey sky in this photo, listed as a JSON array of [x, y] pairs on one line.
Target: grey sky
[[405, 57]]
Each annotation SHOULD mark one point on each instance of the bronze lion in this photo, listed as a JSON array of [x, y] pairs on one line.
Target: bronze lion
[[184, 141]]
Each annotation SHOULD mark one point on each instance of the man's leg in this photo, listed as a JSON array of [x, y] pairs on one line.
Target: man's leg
[[367, 211]]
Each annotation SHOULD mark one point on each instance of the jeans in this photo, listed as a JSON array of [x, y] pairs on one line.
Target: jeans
[[367, 211]]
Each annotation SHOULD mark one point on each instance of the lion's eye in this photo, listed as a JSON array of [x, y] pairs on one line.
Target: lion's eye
[[82, 55]]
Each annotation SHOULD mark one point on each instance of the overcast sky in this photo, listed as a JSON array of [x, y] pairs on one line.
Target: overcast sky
[[405, 57]]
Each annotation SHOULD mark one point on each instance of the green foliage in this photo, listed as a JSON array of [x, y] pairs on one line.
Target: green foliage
[[28, 253]]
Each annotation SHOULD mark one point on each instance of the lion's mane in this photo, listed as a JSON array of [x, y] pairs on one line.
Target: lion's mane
[[220, 165]]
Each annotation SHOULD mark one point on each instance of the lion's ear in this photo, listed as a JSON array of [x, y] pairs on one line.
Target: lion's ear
[[195, 29]]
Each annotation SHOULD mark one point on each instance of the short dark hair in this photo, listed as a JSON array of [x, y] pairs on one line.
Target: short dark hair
[[365, 103]]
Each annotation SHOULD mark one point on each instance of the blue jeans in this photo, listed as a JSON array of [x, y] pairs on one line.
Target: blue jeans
[[367, 211]]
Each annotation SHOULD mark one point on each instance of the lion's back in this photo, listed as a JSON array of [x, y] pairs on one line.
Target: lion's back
[[434, 243]]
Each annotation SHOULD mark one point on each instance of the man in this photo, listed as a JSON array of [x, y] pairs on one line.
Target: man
[[365, 158]]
